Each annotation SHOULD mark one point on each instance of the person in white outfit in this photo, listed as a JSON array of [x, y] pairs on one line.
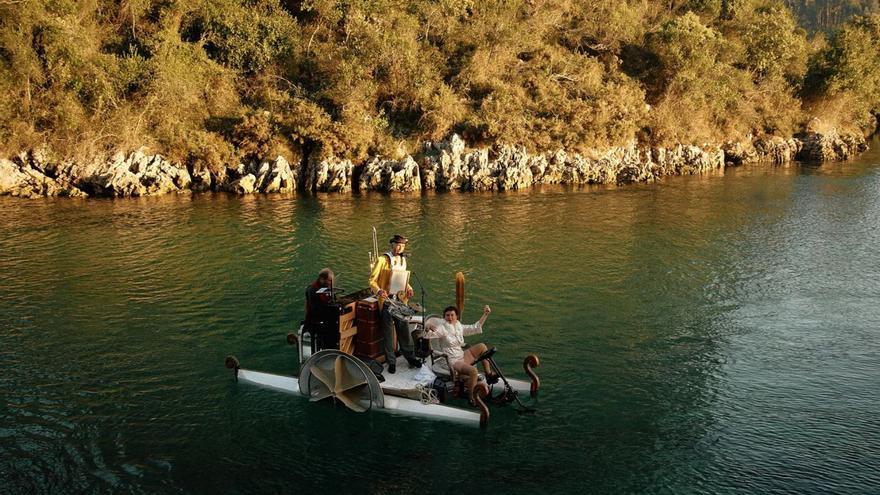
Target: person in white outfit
[[450, 335]]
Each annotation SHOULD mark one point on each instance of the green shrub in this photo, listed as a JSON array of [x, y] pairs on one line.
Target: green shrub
[[775, 46], [852, 60], [842, 85], [254, 136], [247, 36], [207, 150]]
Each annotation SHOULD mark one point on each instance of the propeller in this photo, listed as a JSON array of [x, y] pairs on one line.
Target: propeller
[[338, 377]]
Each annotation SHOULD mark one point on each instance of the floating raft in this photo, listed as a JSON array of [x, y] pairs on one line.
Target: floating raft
[[333, 374]]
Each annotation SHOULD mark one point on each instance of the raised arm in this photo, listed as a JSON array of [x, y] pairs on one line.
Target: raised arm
[[478, 326], [486, 311]]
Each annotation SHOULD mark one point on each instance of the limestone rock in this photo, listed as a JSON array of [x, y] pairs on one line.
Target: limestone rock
[[549, 169], [25, 181], [443, 166], [766, 148], [202, 179], [514, 169], [477, 174], [390, 175], [260, 170], [831, 146], [428, 173], [120, 181], [135, 174], [777, 149], [160, 177], [577, 170], [737, 153], [220, 178], [687, 160], [636, 165], [371, 176], [329, 175], [280, 178], [245, 184], [446, 165], [630, 174], [404, 175]]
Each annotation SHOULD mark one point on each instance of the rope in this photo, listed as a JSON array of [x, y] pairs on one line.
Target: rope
[[427, 395], [510, 395], [523, 408]]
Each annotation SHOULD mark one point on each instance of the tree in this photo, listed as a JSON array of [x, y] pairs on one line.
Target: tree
[[775, 46]]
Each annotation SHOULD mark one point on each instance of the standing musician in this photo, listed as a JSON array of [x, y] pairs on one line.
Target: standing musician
[[390, 267]]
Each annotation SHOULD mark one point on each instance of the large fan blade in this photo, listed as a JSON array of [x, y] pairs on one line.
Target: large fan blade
[[352, 399], [320, 393], [324, 377], [345, 380], [330, 373]]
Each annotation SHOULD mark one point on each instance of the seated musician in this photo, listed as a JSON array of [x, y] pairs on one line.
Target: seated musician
[[322, 312], [450, 335]]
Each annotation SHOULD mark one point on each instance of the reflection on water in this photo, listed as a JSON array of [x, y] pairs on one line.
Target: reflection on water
[[702, 334]]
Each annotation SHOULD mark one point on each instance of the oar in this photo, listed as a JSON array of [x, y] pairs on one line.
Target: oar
[[459, 294]]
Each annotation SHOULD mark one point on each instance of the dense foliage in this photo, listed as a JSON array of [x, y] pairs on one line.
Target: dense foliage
[[212, 81], [828, 15]]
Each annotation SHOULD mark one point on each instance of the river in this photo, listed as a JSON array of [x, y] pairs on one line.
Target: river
[[707, 334]]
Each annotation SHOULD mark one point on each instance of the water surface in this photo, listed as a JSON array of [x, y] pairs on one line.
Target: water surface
[[710, 334]]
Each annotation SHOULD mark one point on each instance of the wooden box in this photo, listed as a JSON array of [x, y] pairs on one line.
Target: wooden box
[[369, 341], [368, 310], [369, 331], [368, 320], [370, 350]]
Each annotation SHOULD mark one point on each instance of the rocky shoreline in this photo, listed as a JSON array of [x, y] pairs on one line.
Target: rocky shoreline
[[442, 166]]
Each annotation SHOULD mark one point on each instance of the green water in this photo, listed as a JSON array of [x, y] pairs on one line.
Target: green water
[[713, 334]]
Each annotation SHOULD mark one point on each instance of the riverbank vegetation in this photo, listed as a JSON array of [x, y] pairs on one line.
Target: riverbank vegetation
[[209, 82]]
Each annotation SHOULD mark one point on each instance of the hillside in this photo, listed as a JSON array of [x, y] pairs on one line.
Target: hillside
[[208, 83]]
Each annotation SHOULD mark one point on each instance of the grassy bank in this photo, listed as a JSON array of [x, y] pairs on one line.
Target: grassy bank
[[211, 82]]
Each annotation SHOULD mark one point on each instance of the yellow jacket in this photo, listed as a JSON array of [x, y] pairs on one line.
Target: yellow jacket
[[380, 277]]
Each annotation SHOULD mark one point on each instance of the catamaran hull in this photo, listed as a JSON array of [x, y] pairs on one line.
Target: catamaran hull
[[397, 405], [519, 386]]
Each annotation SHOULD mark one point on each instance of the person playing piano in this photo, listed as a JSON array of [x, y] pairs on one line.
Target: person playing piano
[[322, 312]]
